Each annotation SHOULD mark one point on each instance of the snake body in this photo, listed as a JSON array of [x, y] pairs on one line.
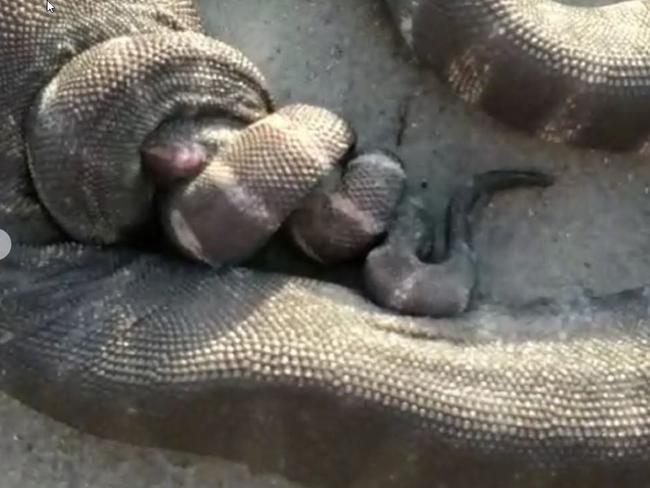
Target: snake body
[[565, 73], [290, 374]]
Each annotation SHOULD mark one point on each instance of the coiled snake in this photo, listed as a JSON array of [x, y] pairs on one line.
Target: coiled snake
[[287, 373]]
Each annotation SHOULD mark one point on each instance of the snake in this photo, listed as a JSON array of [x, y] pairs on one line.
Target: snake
[[102, 330]]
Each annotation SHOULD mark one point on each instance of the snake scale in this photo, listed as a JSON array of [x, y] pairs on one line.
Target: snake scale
[[285, 373]]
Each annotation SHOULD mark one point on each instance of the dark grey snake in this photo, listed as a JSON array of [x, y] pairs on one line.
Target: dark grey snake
[[290, 374]]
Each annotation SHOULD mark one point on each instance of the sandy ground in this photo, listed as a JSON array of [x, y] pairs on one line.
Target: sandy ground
[[588, 231]]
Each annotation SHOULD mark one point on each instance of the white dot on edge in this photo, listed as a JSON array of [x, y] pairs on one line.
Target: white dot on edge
[[5, 244]]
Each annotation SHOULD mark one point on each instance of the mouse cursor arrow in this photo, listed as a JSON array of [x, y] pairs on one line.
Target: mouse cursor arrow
[[49, 7]]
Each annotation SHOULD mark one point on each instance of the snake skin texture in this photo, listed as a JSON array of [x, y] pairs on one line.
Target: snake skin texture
[[527, 64], [288, 164], [284, 373]]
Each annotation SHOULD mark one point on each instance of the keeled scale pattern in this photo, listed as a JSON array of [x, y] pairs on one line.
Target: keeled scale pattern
[[290, 374], [565, 73]]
